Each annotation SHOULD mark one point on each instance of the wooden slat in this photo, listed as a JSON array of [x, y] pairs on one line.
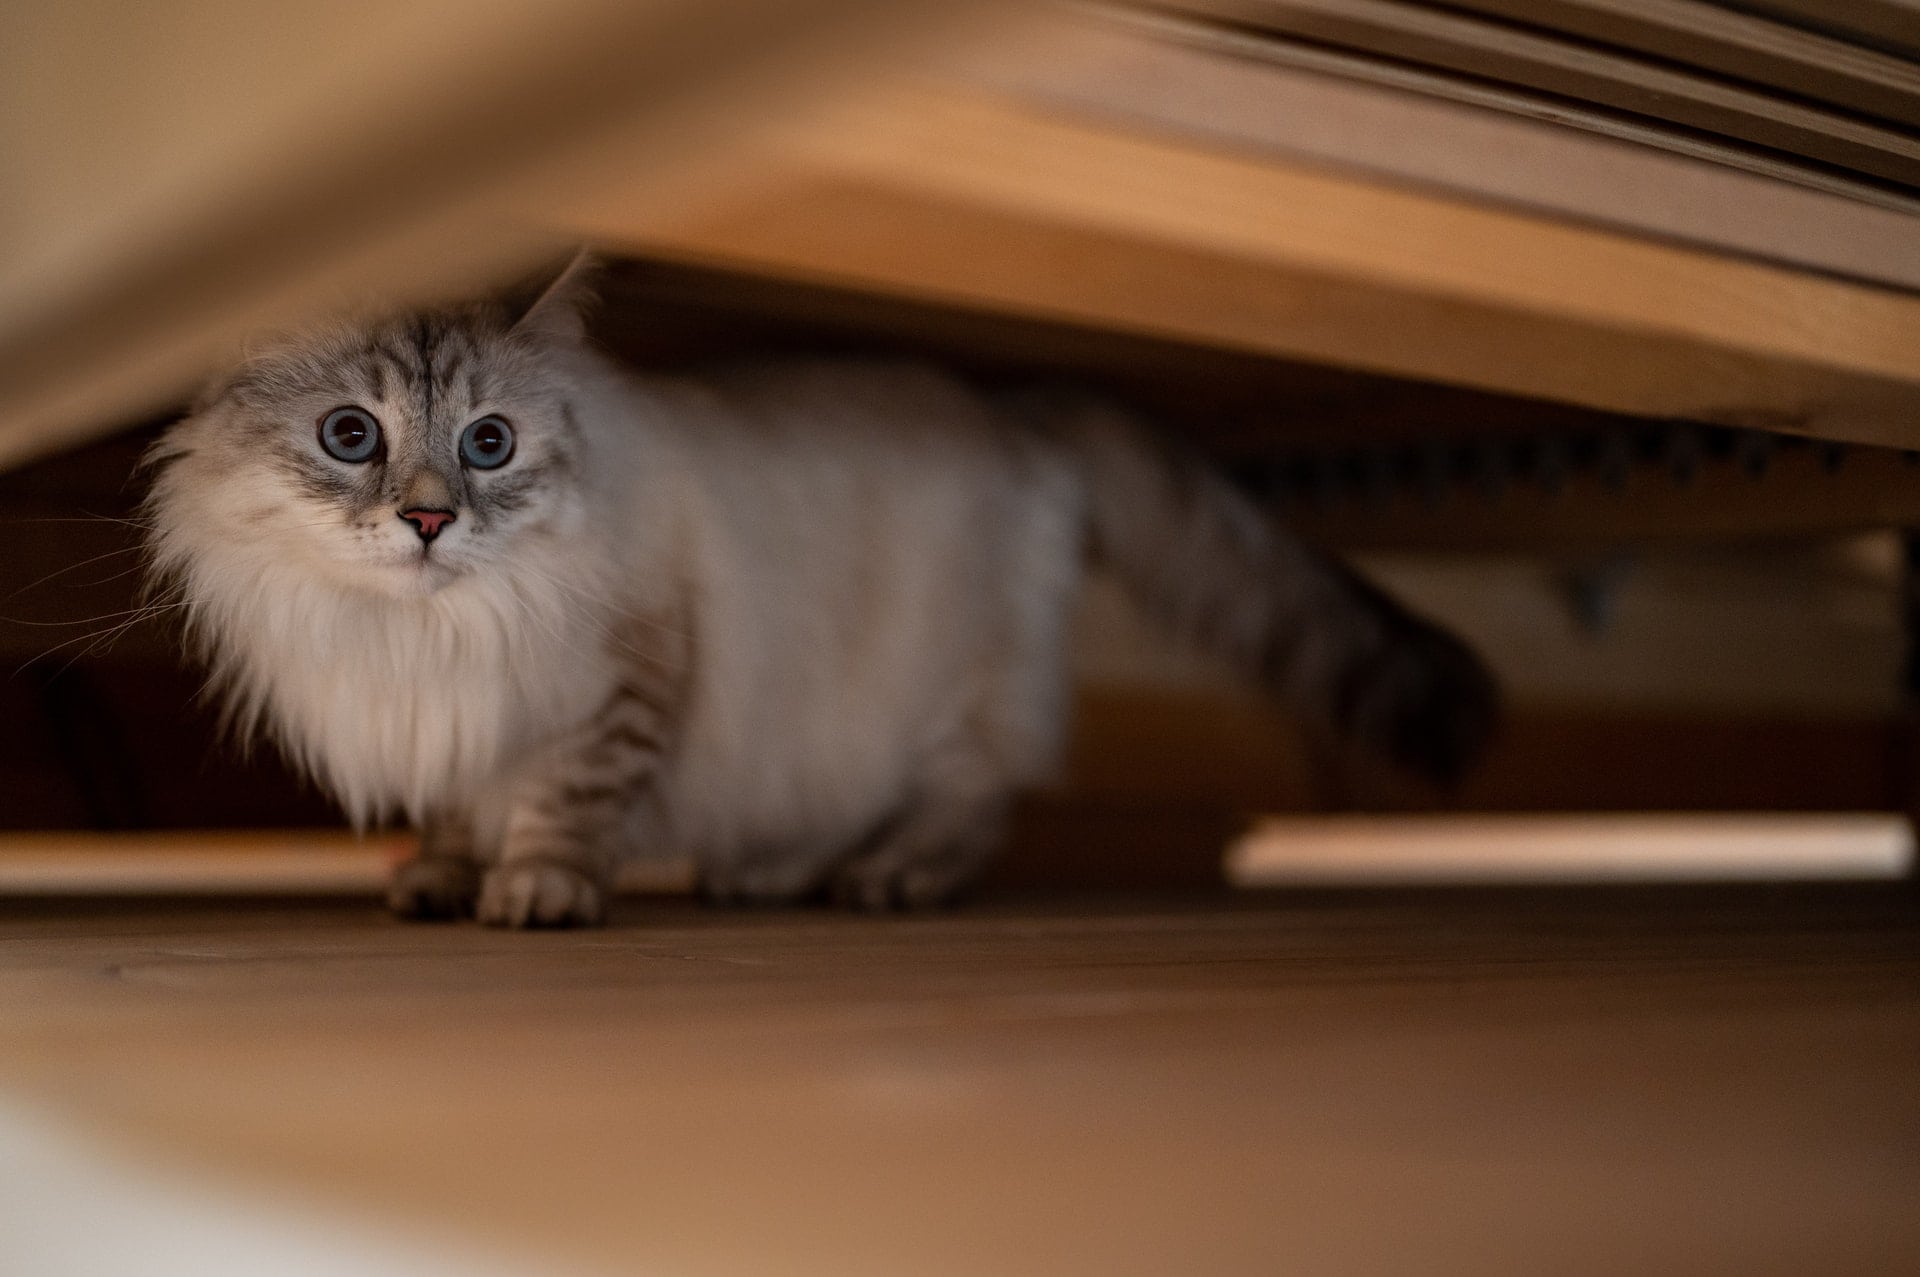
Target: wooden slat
[[952, 193], [340, 154], [1745, 45], [1303, 850], [1223, 90], [1893, 25], [196, 863], [964, 198], [1571, 69], [1433, 85]]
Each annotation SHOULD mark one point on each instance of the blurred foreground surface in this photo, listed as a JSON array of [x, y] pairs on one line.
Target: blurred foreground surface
[[1671, 1080]]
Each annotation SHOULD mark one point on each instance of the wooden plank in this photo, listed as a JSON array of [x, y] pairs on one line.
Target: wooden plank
[[1296, 851], [1893, 25], [1499, 1084], [961, 198], [1062, 220], [1225, 91], [1435, 85], [1746, 45], [1525, 58], [344, 155], [197, 863]]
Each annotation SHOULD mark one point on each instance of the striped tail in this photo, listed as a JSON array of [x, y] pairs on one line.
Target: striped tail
[[1201, 558]]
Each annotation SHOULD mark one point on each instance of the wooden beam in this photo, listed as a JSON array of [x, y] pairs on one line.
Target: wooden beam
[[301, 862], [341, 154], [226, 862], [1230, 91], [1539, 60], [963, 197], [1891, 24], [1438, 85], [1376, 850], [144, 260], [1747, 46]]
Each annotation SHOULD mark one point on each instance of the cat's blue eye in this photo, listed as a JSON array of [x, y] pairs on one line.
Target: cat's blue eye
[[350, 434], [487, 443]]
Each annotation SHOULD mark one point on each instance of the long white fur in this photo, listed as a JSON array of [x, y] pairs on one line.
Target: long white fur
[[857, 549], [855, 580]]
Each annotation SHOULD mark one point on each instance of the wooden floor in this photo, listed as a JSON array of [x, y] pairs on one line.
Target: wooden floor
[[1482, 1082]]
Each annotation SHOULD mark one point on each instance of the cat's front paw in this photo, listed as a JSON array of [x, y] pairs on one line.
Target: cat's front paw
[[879, 884], [540, 893], [434, 888]]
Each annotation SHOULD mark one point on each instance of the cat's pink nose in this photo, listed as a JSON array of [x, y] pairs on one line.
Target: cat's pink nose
[[427, 522]]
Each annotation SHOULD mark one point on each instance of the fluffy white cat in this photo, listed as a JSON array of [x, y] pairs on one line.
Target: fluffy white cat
[[804, 623]]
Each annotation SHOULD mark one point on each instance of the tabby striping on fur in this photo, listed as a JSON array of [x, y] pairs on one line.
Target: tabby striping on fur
[[804, 623]]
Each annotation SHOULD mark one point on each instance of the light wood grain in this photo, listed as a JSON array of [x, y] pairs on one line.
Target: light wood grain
[[175, 221], [182, 175], [1468, 1083], [1539, 59], [1749, 46], [1641, 847], [203, 863], [1224, 89], [1890, 24], [1433, 84], [196, 863], [977, 201]]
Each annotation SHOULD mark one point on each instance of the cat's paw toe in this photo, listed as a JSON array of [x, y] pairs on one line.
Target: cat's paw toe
[[767, 883], [540, 893], [434, 888], [733, 895], [878, 886]]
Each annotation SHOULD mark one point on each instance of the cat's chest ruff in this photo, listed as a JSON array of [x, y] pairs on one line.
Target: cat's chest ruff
[[413, 705]]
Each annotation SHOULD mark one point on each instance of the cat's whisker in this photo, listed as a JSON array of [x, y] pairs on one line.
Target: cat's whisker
[[96, 640], [81, 620], [302, 527], [107, 580], [101, 642], [580, 596], [533, 613], [72, 567], [527, 613], [620, 642], [78, 518]]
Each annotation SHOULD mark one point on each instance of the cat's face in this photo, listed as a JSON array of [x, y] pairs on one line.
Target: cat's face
[[398, 457]]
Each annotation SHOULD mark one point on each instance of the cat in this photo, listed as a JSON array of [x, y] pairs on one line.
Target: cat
[[804, 622]]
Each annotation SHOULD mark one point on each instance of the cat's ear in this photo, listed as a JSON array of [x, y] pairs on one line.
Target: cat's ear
[[555, 306]]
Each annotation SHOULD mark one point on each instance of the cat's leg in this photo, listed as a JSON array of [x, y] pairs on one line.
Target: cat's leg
[[761, 878], [559, 852], [443, 880], [768, 875], [937, 843]]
